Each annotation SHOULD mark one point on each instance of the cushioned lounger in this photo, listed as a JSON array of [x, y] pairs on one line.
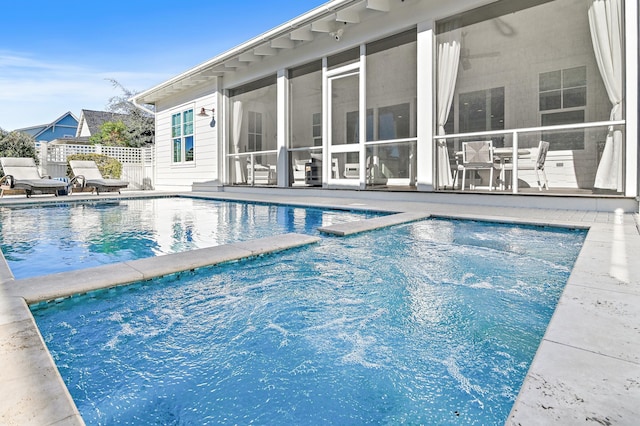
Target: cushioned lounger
[[22, 174], [87, 174]]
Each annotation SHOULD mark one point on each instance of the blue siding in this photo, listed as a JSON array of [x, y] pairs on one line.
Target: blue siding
[[68, 120], [65, 126]]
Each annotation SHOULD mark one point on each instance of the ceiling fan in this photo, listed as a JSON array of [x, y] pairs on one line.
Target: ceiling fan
[[466, 56]]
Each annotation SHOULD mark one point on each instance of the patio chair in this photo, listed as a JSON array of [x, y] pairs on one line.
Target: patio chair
[[477, 156], [87, 175], [352, 171], [537, 165], [299, 167], [262, 174], [21, 173]]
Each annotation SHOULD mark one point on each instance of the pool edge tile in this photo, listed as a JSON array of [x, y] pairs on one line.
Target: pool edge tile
[[66, 284], [178, 262]]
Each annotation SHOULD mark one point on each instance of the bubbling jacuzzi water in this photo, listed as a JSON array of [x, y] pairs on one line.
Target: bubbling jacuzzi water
[[433, 322]]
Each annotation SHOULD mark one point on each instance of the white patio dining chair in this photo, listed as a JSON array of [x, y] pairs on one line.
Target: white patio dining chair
[[477, 156], [535, 163]]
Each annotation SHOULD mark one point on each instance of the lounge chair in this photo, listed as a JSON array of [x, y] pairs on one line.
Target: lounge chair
[[87, 175], [22, 174]]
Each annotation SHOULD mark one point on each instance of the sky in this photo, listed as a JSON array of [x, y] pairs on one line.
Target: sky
[[57, 57]]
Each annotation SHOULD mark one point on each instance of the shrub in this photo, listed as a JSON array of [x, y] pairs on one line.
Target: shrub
[[108, 166], [17, 144]]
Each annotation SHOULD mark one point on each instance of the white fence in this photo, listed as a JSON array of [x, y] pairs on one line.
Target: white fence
[[137, 163]]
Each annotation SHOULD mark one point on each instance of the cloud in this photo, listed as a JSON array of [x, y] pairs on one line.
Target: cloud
[[34, 91]]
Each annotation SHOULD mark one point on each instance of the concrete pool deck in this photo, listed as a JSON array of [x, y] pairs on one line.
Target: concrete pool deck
[[586, 370]]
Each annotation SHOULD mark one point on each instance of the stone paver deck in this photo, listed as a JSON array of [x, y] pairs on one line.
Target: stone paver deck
[[586, 370]]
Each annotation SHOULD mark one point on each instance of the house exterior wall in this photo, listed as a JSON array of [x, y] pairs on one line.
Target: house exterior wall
[[567, 168], [83, 129], [205, 168]]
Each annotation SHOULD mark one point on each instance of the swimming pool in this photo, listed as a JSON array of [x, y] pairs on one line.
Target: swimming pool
[[433, 322], [62, 237]]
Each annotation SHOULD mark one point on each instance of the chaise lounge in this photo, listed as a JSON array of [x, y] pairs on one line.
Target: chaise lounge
[[87, 175], [21, 173]]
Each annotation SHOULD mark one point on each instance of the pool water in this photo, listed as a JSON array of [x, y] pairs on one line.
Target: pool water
[[433, 322], [63, 237]]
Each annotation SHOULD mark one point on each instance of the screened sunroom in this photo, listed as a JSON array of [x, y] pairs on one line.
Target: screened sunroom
[[540, 82], [503, 97], [360, 133]]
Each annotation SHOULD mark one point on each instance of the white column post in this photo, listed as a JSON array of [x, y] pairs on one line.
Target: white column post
[[514, 170], [632, 157], [362, 81], [426, 106], [282, 106], [326, 158], [224, 120]]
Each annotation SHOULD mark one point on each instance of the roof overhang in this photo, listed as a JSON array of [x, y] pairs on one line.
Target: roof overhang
[[321, 21]]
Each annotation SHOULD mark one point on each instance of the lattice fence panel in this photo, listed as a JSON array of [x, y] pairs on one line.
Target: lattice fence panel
[[125, 155]]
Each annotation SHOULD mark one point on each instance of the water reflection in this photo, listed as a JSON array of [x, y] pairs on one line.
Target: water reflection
[[48, 239]]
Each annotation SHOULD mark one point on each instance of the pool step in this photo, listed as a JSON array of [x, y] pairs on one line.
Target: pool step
[[65, 284], [350, 228]]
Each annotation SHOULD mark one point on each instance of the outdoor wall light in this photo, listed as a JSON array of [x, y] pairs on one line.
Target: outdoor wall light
[[203, 113]]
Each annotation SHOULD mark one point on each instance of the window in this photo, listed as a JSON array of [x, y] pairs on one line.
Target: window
[[253, 110], [316, 129], [255, 132], [306, 106], [563, 89], [391, 86], [353, 126], [562, 100], [182, 136], [394, 122], [481, 110]]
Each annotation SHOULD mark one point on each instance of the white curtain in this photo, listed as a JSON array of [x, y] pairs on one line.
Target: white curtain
[[448, 61], [238, 169], [605, 22]]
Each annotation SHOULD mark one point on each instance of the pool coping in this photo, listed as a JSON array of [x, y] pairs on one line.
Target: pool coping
[[65, 284], [586, 368]]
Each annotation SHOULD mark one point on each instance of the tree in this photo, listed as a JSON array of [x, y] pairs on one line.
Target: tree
[[140, 124], [113, 133], [17, 144]]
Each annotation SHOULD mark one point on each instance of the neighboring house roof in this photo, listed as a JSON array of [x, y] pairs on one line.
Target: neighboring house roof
[[90, 121], [64, 126]]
